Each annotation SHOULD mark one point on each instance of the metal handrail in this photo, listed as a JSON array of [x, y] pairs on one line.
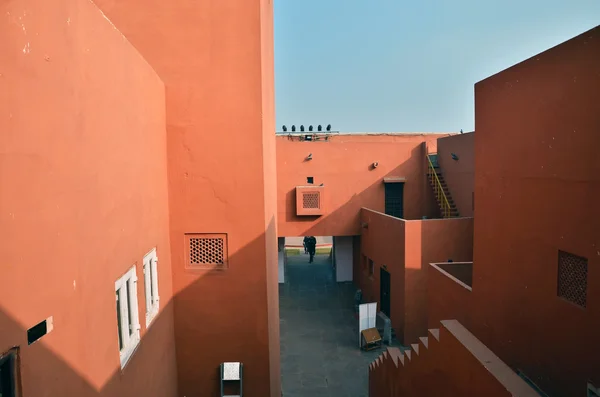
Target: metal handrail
[[438, 189]]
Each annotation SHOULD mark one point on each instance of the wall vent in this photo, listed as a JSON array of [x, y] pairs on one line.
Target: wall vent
[[572, 278], [206, 251], [309, 200]]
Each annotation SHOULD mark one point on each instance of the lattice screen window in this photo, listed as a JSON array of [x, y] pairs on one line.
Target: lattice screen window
[[206, 251], [310, 200], [572, 278]]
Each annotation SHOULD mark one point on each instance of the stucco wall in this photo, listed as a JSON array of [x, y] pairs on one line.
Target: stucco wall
[[536, 189], [451, 359], [343, 163], [428, 241], [384, 243], [447, 297], [343, 255], [407, 248], [83, 198], [459, 174], [216, 59]]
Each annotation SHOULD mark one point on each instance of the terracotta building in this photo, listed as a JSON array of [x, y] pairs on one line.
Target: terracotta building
[[529, 302], [143, 191]]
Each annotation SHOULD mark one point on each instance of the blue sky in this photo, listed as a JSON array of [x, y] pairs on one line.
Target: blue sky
[[394, 65]]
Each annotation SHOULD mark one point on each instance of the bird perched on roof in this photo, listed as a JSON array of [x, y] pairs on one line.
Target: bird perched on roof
[[284, 128]]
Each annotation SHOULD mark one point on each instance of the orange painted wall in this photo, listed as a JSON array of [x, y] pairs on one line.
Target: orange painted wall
[[406, 248], [459, 174], [84, 197], [447, 298], [428, 241], [455, 362], [384, 243], [536, 188], [216, 60], [270, 193], [343, 164]]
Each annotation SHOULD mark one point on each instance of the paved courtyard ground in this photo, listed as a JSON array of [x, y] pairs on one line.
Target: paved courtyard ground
[[319, 333]]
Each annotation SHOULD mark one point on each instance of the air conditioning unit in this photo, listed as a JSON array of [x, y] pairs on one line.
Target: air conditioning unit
[[310, 200]]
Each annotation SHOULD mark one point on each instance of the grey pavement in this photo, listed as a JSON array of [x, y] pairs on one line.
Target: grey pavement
[[319, 333]]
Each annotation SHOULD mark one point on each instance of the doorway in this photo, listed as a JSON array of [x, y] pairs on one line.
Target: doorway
[[384, 291], [394, 199], [8, 374]]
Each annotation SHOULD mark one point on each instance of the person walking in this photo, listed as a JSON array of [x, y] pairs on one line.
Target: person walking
[[311, 246], [304, 244]]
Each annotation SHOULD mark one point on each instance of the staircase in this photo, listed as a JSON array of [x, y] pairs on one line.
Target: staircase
[[450, 361], [440, 188]]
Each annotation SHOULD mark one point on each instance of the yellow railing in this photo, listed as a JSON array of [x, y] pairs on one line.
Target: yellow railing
[[438, 190]]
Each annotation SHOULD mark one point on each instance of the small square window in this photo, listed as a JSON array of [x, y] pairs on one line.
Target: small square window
[[371, 267], [310, 180], [128, 322], [151, 285], [572, 278]]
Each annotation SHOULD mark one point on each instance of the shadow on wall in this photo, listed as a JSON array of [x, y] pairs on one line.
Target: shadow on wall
[[245, 310], [406, 247], [456, 157], [44, 372], [151, 370], [449, 293], [419, 200]]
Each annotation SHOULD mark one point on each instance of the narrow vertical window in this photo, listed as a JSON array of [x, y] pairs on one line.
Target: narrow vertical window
[[128, 325], [151, 285]]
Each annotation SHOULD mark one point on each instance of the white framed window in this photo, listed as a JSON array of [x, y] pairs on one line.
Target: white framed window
[[151, 285], [128, 321]]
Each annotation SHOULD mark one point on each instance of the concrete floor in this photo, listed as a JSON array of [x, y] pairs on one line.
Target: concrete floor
[[319, 333]]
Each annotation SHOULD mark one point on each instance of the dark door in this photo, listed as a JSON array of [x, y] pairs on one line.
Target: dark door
[[394, 198], [384, 291], [7, 375]]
